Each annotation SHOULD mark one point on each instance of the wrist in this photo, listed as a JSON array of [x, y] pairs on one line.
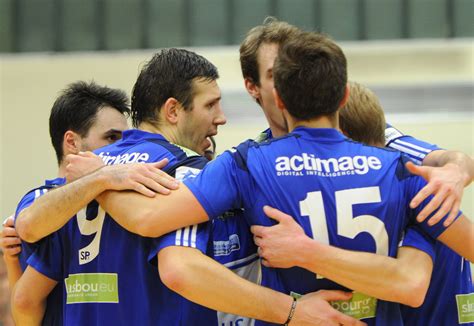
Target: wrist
[[100, 180], [291, 313], [280, 311], [309, 254], [466, 173]]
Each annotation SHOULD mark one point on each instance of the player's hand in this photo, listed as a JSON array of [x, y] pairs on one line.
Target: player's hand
[[145, 178], [314, 309], [279, 245], [81, 164], [446, 184], [10, 242]]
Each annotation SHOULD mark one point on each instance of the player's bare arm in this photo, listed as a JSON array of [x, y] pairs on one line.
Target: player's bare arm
[[393, 279], [10, 245], [153, 217], [200, 279], [29, 297], [36, 221], [459, 236], [447, 173]]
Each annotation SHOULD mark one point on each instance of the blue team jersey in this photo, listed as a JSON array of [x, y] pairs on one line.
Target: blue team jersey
[[450, 297], [412, 147], [233, 247], [53, 313], [342, 193], [109, 275]]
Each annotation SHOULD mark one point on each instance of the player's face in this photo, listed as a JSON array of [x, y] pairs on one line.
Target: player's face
[[106, 129], [266, 56], [202, 121]]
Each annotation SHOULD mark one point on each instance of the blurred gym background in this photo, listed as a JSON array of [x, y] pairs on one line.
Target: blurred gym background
[[417, 55]]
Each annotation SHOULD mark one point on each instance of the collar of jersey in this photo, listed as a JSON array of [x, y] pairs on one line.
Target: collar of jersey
[[328, 134], [136, 134], [55, 182], [264, 135]]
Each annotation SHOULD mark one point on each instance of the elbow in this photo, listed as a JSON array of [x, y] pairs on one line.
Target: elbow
[[22, 303], [414, 293], [173, 270], [24, 229]]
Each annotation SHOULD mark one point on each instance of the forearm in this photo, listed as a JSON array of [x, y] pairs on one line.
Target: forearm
[[127, 208], [459, 236], [13, 271], [52, 210], [379, 276], [463, 162], [206, 282], [153, 217]]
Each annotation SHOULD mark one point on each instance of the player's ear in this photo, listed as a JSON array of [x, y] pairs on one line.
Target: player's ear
[[252, 88], [345, 98], [279, 103], [71, 142], [169, 110]]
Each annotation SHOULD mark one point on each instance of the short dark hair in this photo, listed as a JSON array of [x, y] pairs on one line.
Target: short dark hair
[[271, 31], [169, 73], [310, 75], [76, 110]]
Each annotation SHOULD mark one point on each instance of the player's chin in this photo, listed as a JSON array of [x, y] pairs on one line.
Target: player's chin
[[205, 144]]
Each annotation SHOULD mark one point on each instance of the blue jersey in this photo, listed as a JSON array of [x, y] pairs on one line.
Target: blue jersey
[[233, 247], [342, 193], [109, 275], [412, 147], [53, 313], [450, 297]]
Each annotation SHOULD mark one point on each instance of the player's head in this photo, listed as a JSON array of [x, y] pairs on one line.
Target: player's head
[[362, 118], [177, 89], [257, 54], [210, 152], [310, 74], [87, 116]]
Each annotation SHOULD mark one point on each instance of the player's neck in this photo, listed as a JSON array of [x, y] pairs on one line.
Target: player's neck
[[62, 170], [331, 121], [149, 127], [277, 131], [167, 131]]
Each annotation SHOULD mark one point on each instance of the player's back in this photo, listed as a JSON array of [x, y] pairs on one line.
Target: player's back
[[341, 192]]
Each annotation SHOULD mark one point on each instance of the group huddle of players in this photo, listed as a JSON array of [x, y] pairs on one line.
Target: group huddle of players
[[330, 217]]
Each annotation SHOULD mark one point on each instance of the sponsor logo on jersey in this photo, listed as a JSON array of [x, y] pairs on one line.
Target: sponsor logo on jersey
[[465, 303], [92, 287], [126, 158], [224, 248], [308, 164], [360, 306]]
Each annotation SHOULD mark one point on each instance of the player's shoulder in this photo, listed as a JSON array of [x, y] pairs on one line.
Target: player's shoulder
[[240, 152], [387, 156], [30, 196], [136, 146]]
